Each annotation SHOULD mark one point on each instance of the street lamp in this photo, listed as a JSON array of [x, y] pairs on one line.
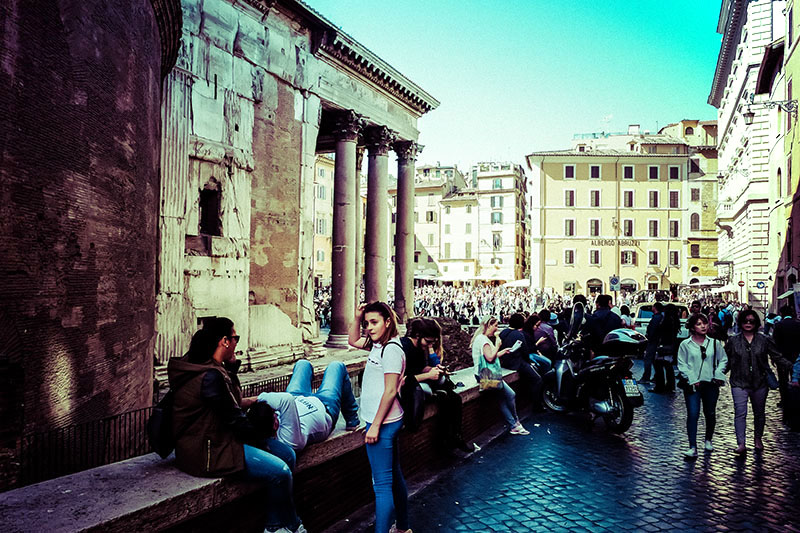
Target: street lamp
[[788, 106]]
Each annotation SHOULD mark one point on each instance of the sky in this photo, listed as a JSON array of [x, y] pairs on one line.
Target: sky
[[518, 76]]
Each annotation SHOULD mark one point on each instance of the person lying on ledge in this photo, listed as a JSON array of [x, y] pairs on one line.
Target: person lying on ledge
[[301, 417]]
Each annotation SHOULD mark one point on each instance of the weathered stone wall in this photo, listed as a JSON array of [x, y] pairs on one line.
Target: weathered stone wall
[[79, 137]]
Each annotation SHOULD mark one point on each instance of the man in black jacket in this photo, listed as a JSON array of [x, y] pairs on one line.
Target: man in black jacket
[[652, 340], [787, 337], [600, 322]]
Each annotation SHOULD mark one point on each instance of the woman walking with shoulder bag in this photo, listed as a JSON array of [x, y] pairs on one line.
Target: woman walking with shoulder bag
[[748, 354], [701, 365]]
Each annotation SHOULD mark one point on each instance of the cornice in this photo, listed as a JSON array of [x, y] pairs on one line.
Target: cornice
[[733, 11], [169, 18]]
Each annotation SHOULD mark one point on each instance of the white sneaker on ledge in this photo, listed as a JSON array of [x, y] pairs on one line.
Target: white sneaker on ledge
[[519, 430]]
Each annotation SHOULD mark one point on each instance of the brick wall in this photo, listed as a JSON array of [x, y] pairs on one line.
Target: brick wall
[[79, 116]]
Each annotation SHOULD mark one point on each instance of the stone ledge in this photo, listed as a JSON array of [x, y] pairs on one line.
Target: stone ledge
[[137, 494]]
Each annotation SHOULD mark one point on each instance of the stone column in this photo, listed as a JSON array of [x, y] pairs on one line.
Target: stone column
[[379, 140], [343, 256], [358, 266], [404, 238]]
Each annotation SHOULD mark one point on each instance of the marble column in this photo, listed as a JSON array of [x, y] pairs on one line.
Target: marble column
[[359, 264], [379, 140], [404, 238], [343, 256]]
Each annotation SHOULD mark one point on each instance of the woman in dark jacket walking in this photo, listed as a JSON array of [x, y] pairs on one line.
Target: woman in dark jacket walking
[[748, 362], [667, 350]]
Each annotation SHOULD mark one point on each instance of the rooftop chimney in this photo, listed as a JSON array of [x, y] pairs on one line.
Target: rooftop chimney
[[633, 129]]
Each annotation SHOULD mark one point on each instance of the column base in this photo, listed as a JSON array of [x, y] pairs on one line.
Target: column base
[[337, 341]]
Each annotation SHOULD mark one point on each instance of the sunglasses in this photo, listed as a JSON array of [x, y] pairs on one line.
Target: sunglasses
[[703, 353], [748, 321], [234, 337]]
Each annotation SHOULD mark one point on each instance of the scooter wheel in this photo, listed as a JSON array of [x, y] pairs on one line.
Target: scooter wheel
[[550, 397], [620, 421]]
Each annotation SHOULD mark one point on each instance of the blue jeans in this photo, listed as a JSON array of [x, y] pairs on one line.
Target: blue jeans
[[391, 495], [649, 355], [273, 466], [335, 392], [708, 393], [506, 399]]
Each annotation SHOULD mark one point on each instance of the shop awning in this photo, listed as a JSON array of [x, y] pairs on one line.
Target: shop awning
[[730, 287], [786, 294]]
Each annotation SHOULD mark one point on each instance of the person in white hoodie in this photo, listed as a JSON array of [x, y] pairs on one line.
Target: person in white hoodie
[[702, 362]]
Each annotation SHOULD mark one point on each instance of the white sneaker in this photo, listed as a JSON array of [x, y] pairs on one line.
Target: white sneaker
[[519, 430], [709, 447], [300, 529], [691, 452]]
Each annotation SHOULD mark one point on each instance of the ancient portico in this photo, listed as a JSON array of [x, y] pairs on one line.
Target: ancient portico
[[259, 90]]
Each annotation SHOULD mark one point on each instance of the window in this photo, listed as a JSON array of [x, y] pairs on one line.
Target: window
[[210, 199], [468, 229], [445, 268], [569, 172], [594, 172], [497, 241], [430, 216], [394, 218], [695, 222], [416, 257], [594, 198], [674, 229], [695, 195], [431, 199], [430, 259], [674, 258], [689, 131], [320, 255], [627, 228], [653, 195], [569, 257], [652, 258], [674, 199], [694, 166], [321, 191], [652, 172], [469, 209], [652, 228], [322, 226], [694, 250], [627, 172], [627, 198], [466, 268], [569, 227], [468, 250], [497, 201], [447, 210], [497, 183], [430, 239], [674, 172], [416, 217], [447, 250], [497, 217], [569, 198], [321, 173], [447, 229], [594, 257], [594, 227], [628, 257]]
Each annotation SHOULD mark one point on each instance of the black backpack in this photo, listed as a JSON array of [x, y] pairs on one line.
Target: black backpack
[[411, 397], [159, 426]]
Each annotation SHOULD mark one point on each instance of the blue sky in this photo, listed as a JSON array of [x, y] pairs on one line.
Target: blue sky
[[519, 76]]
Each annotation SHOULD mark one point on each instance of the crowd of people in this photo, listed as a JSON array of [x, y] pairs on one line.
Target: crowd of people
[[218, 432]]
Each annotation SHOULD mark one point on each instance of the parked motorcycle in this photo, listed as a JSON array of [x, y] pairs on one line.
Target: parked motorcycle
[[599, 383]]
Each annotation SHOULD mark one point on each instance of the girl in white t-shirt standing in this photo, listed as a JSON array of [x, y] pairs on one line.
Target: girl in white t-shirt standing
[[381, 410]]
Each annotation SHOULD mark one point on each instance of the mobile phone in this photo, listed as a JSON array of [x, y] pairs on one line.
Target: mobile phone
[[516, 346]]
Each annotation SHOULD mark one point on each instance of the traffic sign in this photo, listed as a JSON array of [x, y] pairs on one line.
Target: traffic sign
[[761, 284], [613, 281], [741, 283]]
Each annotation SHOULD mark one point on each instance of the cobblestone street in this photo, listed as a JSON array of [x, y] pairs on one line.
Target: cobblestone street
[[565, 477]]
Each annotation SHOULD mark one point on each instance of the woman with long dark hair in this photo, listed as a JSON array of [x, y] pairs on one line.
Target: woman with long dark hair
[[748, 361], [701, 366], [381, 410]]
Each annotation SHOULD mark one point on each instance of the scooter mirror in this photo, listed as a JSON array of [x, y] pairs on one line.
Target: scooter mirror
[[576, 320]]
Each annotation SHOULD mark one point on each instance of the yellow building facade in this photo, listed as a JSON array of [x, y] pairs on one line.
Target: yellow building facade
[[612, 212]]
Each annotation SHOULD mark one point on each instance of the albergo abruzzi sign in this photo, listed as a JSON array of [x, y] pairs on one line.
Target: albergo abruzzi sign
[[612, 242]]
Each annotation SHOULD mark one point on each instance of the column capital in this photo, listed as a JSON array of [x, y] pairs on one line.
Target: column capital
[[407, 150], [379, 139], [348, 125]]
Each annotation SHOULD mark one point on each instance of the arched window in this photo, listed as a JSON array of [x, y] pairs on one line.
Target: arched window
[[780, 184], [690, 131], [695, 222]]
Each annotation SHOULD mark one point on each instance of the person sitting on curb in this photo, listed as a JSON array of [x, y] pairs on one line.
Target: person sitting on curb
[[302, 417], [421, 346], [214, 437]]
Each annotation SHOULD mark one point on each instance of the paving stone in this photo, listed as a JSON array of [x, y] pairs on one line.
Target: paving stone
[[580, 479]]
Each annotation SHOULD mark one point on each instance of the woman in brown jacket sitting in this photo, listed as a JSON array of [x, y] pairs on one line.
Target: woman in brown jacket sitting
[[213, 435]]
